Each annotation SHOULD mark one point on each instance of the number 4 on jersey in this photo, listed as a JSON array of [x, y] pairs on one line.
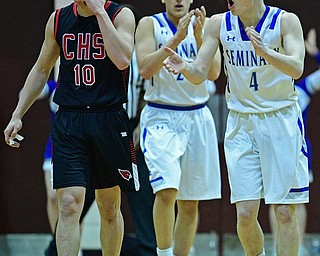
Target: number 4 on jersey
[[254, 81]]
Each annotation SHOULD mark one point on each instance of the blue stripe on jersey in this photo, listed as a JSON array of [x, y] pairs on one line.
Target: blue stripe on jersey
[[294, 190], [228, 21], [243, 33], [171, 26], [159, 21], [259, 26], [274, 19], [170, 107]]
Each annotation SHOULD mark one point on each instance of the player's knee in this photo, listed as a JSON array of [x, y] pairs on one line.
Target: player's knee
[[246, 216], [70, 206], [166, 196], [108, 210], [110, 214], [188, 208], [285, 213]]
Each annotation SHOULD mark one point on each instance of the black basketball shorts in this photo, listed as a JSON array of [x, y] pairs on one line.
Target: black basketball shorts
[[93, 149]]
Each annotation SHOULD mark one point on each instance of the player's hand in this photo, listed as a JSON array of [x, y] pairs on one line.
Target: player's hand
[[11, 136], [198, 25], [174, 63], [183, 25], [256, 40], [311, 43], [95, 6]]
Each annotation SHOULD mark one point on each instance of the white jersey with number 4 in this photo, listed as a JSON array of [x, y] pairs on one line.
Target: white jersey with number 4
[[253, 85], [169, 89]]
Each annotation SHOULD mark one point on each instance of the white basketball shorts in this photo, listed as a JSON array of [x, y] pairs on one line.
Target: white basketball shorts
[[181, 151], [266, 156]]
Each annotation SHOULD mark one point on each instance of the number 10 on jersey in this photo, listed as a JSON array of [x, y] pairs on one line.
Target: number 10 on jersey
[[84, 74]]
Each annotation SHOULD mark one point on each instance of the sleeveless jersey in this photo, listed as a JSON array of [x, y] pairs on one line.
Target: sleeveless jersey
[[165, 87], [87, 77], [253, 85]]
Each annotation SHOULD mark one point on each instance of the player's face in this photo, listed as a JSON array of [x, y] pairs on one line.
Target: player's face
[[81, 3], [177, 8]]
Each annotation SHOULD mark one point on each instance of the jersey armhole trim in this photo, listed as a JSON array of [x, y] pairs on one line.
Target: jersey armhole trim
[[56, 22]]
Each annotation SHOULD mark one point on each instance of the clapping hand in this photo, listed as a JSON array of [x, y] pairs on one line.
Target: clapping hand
[[174, 63]]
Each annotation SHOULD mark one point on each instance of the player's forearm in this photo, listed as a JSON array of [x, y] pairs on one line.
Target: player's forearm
[[290, 65], [194, 73], [30, 91], [215, 67], [152, 63], [117, 47]]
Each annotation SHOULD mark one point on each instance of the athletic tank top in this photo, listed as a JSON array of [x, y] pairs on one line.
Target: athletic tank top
[[165, 87], [87, 77], [253, 85]]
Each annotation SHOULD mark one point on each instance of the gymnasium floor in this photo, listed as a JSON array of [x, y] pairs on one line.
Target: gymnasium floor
[[205, 244]]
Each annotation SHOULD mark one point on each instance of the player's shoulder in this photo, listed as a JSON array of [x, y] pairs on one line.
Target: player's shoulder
[[215, 20], [146, 22], [289, 18], [214, 23]]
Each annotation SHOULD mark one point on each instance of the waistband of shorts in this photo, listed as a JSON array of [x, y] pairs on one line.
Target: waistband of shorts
[[180, 108], [92, 108]]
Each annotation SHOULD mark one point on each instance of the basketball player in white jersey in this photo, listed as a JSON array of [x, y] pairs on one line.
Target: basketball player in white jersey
[[178, 136], [264, 140], [307, 88]]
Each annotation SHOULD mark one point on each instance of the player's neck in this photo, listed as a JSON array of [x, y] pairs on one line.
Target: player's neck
[[252, 17]]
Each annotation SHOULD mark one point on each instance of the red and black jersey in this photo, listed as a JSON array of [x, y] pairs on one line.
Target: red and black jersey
[[87, 77]]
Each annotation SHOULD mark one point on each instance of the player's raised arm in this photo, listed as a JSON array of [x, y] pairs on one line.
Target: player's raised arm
[[292, 62], [150, 58], [198, 71]]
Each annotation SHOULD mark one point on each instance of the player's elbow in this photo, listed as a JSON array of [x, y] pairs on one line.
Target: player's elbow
[[123, 64], [214, 75], [297, 70], [297, 73]]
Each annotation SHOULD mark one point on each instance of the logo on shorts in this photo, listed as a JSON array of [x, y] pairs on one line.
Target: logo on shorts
[[125, 174]]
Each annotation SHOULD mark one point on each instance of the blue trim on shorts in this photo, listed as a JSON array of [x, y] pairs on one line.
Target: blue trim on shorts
[[157, 179], [181, 108], [144, 135], [294, 190], [304, 152]]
